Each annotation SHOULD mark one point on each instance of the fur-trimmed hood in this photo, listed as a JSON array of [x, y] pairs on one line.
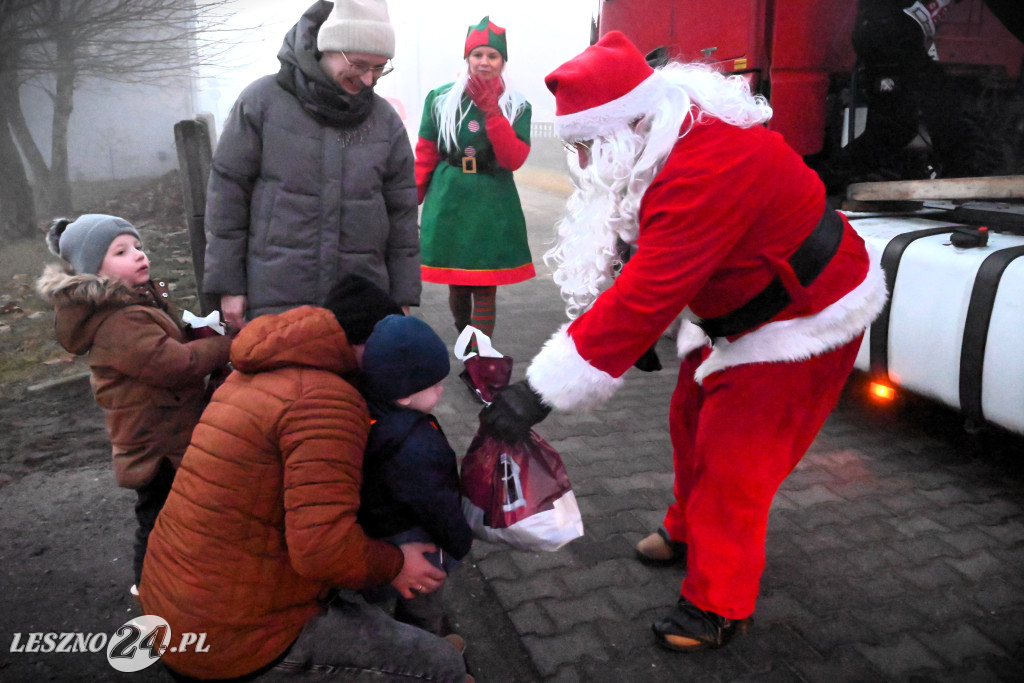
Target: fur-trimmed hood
[[82, 302]]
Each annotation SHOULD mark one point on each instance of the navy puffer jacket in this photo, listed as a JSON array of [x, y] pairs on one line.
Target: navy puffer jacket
[[411, 479]]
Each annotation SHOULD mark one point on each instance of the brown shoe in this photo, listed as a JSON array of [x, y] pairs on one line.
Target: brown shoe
[[458, 641], [659, 550], [460, 644]]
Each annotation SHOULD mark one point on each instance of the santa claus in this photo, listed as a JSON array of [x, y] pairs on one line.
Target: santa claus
[[731, 231]]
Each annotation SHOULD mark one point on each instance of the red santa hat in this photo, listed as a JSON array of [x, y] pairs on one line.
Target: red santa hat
[[606, 87]]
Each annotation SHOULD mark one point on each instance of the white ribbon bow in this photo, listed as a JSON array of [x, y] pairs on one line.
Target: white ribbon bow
[[212, 321], [483, 344]]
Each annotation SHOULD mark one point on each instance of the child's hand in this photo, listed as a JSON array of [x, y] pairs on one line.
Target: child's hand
[[417, 575], [203, 333]]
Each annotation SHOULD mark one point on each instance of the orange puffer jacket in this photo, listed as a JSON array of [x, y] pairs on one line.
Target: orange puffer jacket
[[261, 521]]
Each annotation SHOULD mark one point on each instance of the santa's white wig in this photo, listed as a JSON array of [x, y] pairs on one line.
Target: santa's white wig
[[450, 109], [623, 163]]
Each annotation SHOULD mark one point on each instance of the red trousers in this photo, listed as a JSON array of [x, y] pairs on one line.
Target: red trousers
[[734, 440]]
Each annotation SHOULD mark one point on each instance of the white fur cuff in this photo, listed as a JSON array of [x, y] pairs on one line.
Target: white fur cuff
[[565, 380], [690, 338]]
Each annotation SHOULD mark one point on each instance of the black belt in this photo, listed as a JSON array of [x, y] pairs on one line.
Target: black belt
[[476, 164], [807, 262]]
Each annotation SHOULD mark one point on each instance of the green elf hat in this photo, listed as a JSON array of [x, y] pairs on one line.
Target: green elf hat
[[486, 33]]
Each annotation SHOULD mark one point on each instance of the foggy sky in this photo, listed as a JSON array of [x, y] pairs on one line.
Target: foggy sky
[[429, 36]]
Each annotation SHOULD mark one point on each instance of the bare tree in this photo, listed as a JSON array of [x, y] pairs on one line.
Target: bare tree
[[17, 211], [57, 45]]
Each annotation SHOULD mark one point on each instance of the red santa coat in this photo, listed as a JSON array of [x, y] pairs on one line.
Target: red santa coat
[[716, 225]]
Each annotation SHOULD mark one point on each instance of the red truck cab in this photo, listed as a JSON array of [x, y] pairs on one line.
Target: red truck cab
[[796, 52]]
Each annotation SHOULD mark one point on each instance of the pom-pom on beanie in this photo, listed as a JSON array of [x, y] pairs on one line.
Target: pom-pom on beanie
[[84, 242], [403, 356]]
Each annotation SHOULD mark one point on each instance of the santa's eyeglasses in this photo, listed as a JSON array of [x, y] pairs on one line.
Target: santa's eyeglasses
[[576, 146]]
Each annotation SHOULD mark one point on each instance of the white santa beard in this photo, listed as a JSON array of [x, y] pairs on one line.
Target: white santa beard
[[603, 207]]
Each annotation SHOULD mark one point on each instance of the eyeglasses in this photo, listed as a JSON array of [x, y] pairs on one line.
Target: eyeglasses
[[378, 71], [576, 146]]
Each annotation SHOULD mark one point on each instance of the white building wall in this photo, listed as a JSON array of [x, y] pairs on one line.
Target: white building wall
[[117, 130]]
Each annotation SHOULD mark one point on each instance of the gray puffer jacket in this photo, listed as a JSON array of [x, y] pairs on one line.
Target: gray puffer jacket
[[296, 201]]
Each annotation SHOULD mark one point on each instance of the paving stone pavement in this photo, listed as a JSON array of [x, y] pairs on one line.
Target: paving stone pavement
[[895, 550]]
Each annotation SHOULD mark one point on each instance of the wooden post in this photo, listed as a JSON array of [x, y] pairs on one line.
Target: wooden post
[[192, 139]]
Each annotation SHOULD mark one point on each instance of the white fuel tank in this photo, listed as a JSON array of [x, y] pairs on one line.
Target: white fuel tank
[[954, 327]]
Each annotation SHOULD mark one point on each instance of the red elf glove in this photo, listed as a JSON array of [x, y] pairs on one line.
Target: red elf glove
[[485, 94], [509, 150]]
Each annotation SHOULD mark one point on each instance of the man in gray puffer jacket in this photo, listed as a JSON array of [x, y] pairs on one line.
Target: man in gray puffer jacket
[[313, 176]]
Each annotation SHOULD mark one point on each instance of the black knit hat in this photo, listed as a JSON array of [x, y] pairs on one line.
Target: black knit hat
[[358, 304], [403, 356]]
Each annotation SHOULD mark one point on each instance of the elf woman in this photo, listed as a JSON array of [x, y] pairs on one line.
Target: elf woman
[[473, 134]]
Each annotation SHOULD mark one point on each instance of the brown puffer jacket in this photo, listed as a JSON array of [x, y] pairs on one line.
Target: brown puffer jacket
[[261, 520], [148, 378]]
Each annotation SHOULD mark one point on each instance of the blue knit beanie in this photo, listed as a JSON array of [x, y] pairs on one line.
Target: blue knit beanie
[[403, 356]]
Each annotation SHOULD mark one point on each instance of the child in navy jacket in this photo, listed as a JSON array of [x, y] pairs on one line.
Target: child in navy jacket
[[410, 474]]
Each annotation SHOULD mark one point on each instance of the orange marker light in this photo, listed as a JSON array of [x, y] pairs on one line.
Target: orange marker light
[[882, 391]]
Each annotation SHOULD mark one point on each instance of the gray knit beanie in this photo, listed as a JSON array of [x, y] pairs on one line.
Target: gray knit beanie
[[83, 243], [358, 26]]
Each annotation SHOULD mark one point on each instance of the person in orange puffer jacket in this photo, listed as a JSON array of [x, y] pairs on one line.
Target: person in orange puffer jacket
[[258, 545]]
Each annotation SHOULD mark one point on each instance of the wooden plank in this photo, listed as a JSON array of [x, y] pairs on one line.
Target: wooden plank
[[994, 187], [192, 139]]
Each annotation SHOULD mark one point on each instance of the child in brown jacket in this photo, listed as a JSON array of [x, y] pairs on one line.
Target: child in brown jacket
[[148, 374]]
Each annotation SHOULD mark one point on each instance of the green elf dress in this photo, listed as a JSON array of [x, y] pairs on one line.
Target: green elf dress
[[472, 230]]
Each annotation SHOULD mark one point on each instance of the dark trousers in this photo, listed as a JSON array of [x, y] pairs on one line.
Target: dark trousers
[[151, 498], [426, 610]]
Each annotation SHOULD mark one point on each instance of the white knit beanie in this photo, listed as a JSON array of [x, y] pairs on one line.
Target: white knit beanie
[[358, 26]]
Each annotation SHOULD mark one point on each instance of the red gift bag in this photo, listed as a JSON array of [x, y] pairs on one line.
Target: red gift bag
[[486, 371], [518, 494]]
